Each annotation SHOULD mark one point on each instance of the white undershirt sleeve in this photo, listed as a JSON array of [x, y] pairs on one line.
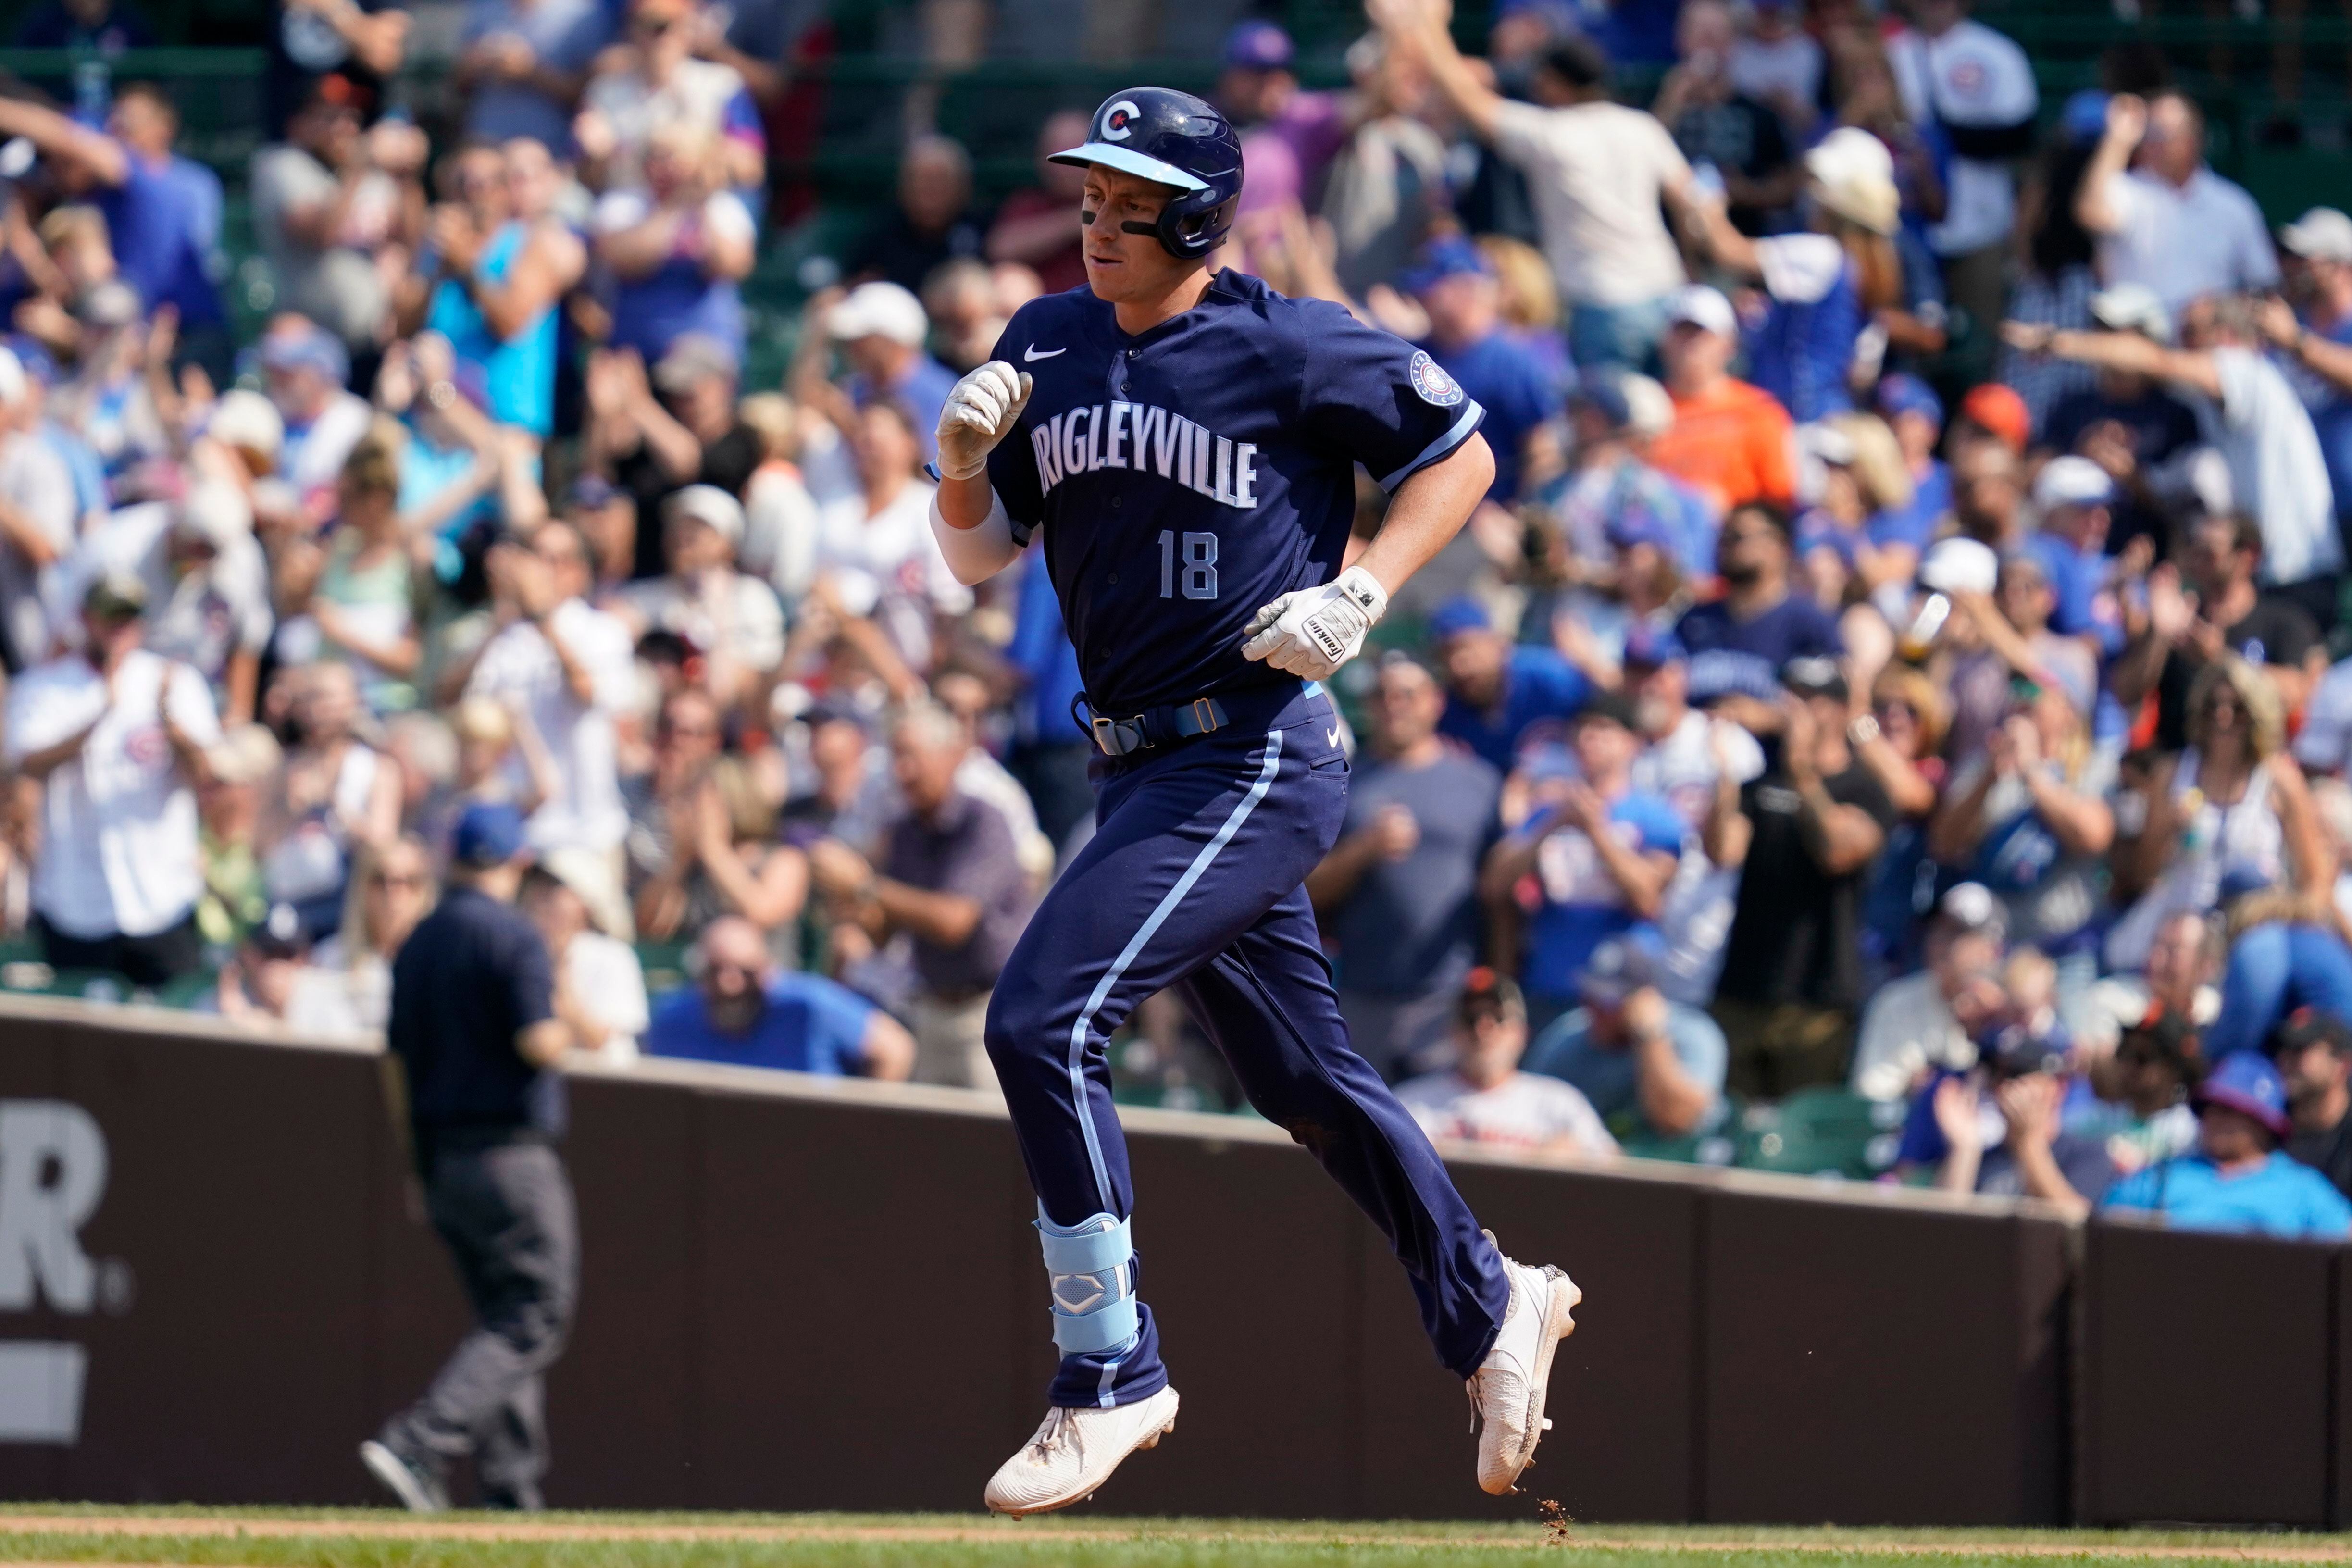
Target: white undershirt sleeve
[[976, 554]]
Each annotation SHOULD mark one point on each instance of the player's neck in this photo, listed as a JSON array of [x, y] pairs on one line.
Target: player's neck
[[1136, 317]]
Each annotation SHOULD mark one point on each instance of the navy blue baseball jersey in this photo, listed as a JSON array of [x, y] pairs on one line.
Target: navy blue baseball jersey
[[1191, 473]]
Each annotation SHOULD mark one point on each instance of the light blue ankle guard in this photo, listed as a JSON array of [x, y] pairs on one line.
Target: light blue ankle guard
[[1091, 1265]]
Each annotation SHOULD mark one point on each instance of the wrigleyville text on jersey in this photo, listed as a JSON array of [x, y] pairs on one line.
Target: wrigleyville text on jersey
[[1143, 438]]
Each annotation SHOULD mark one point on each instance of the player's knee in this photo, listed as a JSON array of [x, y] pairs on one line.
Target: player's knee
[[1019, 1018]]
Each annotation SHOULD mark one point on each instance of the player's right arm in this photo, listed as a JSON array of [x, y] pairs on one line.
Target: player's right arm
[[968, 516]]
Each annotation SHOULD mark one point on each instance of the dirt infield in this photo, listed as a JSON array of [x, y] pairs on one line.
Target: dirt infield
[[950, 1530]]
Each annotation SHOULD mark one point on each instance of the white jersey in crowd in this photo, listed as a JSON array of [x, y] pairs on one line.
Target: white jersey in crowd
[[119, 850], [1906, 1028], [697, 94], [312, 456], [1526, 1110], [609, 985], [2205, 237], [739, 615], [1966, 77], [1695, 919], [199, 618], [584, 810], [1594, 172], [36, 481], [2276, 472]]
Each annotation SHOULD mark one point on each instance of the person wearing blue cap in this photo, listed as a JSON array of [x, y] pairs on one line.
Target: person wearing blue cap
[[474, 1041], [2239, 1178], [1497, 690], [1915, 414], [1651, 1068], [1457, 289], [1288, 137]]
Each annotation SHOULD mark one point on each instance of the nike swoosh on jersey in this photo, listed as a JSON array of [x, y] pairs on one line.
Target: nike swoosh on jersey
[[1030, 354], [1332, 737]]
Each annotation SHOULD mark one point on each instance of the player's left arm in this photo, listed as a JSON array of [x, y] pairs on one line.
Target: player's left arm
[[1371, 398]]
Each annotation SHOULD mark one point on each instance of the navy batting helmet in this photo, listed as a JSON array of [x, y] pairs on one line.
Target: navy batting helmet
[[1176, 140]]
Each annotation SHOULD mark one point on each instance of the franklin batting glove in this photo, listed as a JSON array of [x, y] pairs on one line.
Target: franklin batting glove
[[1314, 631], [979, 414]]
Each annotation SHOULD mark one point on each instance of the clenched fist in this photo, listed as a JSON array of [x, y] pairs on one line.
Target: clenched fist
[[979, 414]]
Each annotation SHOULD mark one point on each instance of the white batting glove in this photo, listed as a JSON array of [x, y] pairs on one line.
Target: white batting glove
[[1314, 631], [979, 413]]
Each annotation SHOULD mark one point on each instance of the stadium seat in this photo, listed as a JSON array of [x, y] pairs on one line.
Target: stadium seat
[[1821, 1131]]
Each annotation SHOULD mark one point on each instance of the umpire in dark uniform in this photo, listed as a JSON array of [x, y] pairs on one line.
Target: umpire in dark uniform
[[475, 1039]]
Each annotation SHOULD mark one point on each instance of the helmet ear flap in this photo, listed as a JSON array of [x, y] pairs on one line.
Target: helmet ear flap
[[1192, 224]]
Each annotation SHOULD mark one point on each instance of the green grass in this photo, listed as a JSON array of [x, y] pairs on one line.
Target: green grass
[[356, 1539]]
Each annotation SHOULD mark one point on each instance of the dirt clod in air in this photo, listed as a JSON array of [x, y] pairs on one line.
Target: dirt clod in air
[[1557, 1523]]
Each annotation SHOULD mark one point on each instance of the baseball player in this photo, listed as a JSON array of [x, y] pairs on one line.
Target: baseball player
[[1187, 442]]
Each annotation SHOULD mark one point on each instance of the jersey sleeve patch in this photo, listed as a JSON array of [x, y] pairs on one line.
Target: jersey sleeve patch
[[1430, 382]]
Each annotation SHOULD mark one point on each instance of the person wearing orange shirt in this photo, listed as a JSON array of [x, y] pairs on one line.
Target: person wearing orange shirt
[[1728, 438]]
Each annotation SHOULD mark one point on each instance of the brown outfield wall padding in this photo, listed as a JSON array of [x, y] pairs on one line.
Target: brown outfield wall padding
[[803, 1295]]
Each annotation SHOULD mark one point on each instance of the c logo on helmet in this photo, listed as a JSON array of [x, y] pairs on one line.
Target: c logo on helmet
[[1116, 120]]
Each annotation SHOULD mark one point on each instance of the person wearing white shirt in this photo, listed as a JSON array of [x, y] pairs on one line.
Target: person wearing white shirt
[[1484, 1098], [2171, 224], [306, 366], [1596, 173], [1921, 1022], [732, 616], [571, 669], [876, 553], [600, 988], [1979, 86], [117, 736], [2247, 411], [37, 514]]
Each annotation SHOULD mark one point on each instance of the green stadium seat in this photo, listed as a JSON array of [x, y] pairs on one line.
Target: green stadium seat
[[1821, 1131]]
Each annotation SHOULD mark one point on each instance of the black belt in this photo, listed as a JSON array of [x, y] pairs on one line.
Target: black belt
[[1176, 723]]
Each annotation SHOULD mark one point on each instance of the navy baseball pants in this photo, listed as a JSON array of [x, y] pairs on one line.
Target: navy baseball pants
[[1194, 879]]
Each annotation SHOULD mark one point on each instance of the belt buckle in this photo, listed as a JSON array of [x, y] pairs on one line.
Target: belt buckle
[[1204, 714], [1117, 737]]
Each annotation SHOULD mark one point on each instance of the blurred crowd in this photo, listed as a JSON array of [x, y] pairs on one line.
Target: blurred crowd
[[1893, 670]]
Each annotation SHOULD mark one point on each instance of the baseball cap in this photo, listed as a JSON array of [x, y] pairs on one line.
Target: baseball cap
[[1259, 46], [1614, 971], [490, 833], [1605, 396], [695, 357], [711, 505], [1611, 705], [591, 879], [1903, 393], [1649, 647], [116, 595], [2072, 481], [2246, 1082], [307, 347], [1970, 907], [1999, 410], [1486, 990], [2308, 1027], [280, 934], [1854, 176], [1810, 675], [879, 310], [247, 419], [1960, 566], [1457, 615], [1705, 308], [2133, 308], [1651, 409], [1637, 524], [2323, 234], [1451, 257]]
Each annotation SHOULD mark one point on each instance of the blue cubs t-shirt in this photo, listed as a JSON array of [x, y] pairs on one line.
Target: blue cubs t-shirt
[[1190, 473], [810, 1025], [1540, 689], [2279, 1197], [1517, 393], [1729, 656], [1582, 905]]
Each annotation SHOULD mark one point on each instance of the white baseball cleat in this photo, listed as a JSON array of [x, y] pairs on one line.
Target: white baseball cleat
[[1506, 1392], [1075, 1451]]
